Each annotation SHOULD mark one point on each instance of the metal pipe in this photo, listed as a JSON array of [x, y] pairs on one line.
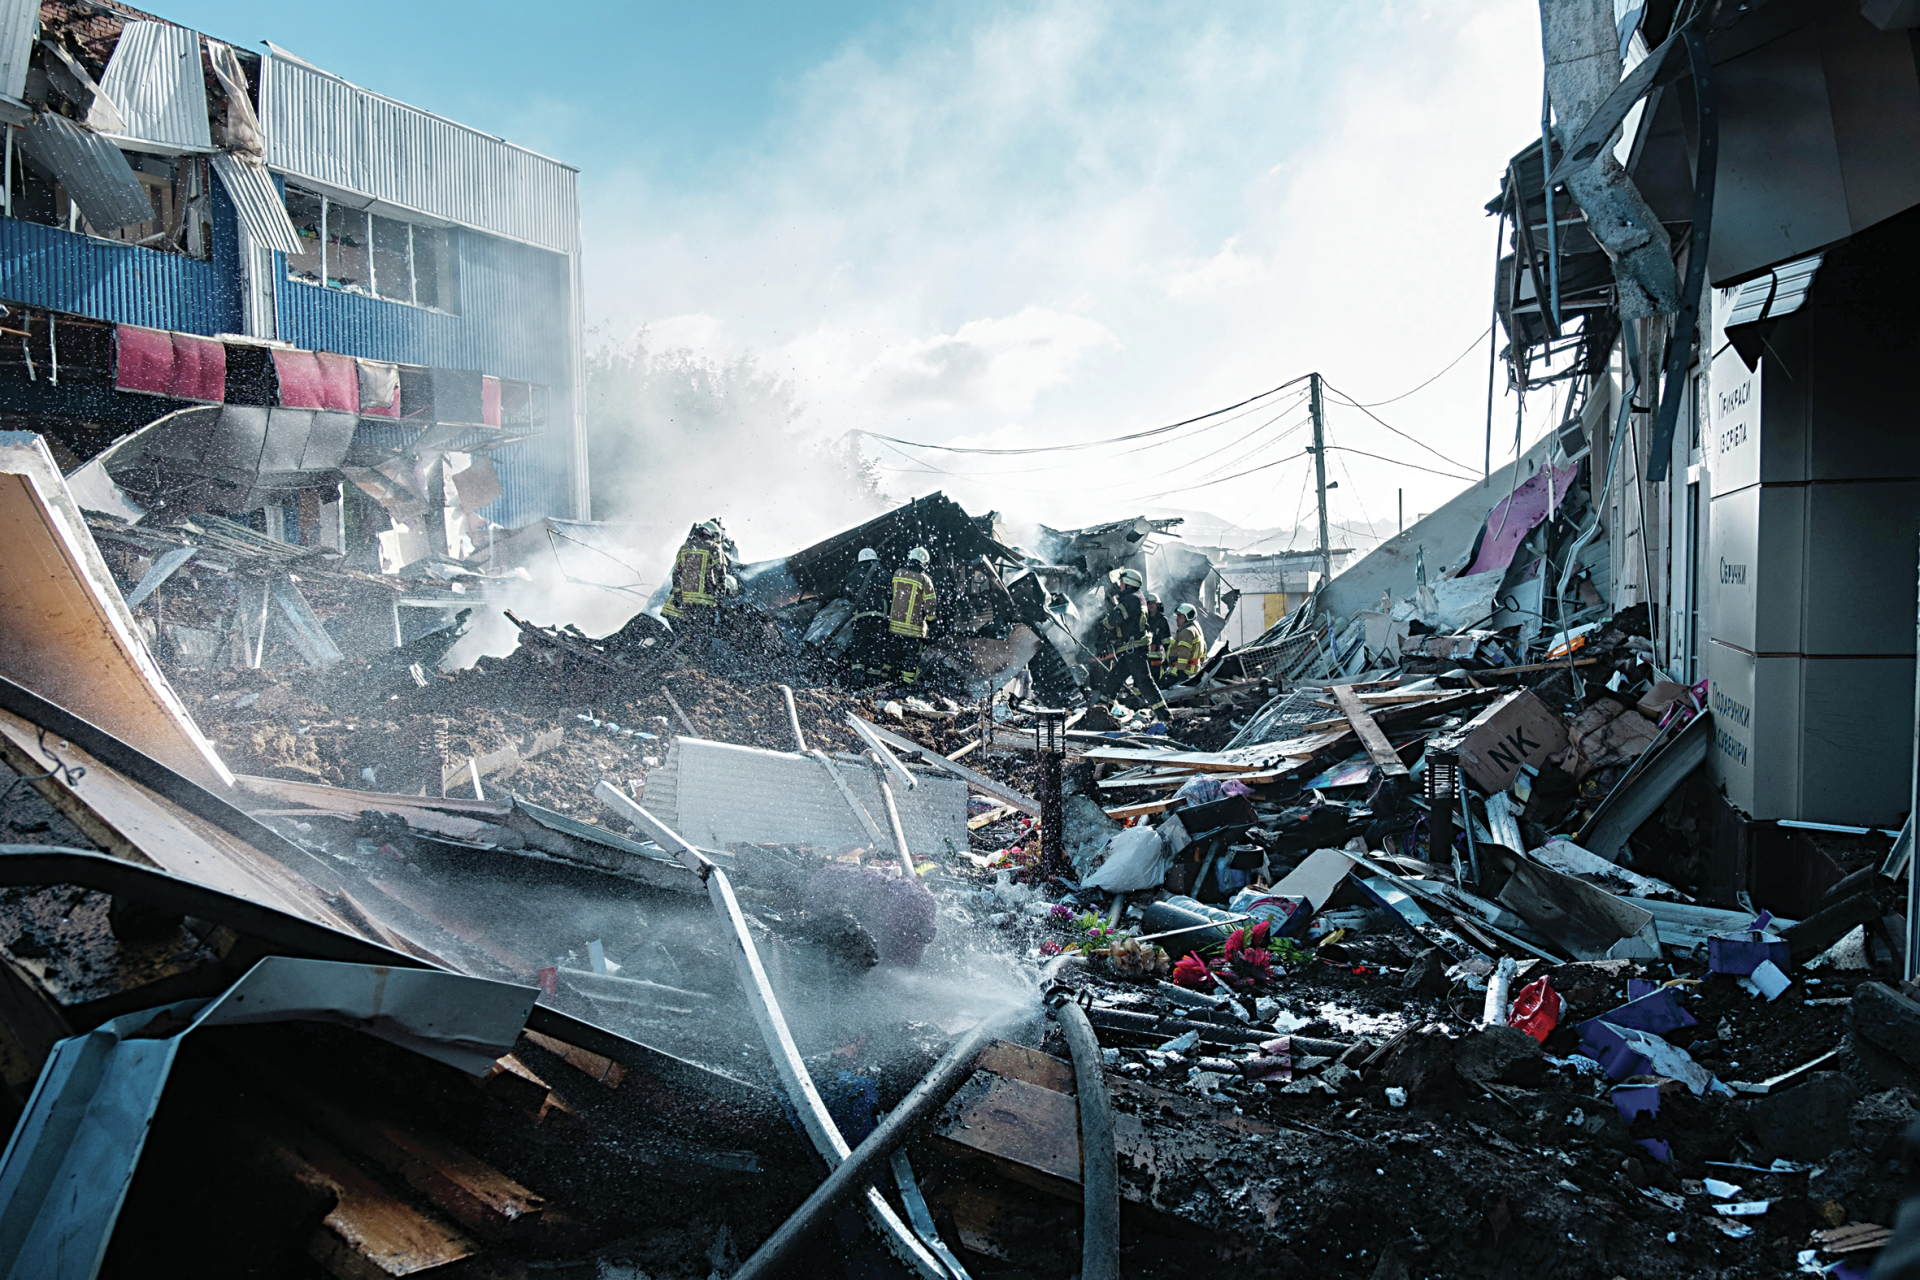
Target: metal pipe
[[893, 814], [874, 1154], [793, 718], [1099, 1159], [788, 1065]]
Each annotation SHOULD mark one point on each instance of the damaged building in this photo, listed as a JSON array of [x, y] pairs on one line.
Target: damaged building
[[1530, 894]]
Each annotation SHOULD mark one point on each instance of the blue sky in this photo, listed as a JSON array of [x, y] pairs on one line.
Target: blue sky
[[1015, 223]]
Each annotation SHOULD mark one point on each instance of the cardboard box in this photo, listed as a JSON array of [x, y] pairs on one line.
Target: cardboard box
[[1517, 730]]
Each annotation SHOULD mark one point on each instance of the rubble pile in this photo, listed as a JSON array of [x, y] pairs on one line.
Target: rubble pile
[[1392, 944]]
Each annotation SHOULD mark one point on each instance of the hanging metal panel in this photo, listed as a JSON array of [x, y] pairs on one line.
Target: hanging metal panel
[[257, 202], [155, 79], [321, 128], [19, 20], [94, 171]]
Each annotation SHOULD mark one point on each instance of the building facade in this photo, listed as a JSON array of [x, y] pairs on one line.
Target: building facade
[[392, 299]]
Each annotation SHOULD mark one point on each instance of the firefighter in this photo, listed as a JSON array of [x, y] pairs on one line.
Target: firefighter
[[1188, 648], [1159, 631], [699, 579], [1124, 636], [867, 589], [909, 614]]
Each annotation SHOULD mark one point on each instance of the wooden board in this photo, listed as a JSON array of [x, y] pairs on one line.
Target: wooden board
[[131, 822], [65, 630], [1379, 750]]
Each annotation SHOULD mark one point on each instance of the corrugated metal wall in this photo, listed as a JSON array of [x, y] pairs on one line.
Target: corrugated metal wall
[[320, 127], [515, 320], [45, 266]]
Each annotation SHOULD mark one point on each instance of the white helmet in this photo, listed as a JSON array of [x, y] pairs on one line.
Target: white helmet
[[919, 556], [1131, 578], [1187, 611], [709, 527], [868, 553]]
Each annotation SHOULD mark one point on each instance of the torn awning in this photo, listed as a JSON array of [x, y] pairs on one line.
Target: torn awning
[[317, 380], [94, 172], [154, 78], [258, 202], [162, 363], [1515, 516]]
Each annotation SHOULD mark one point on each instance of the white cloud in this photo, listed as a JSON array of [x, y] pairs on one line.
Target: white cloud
[[1001, 363], [1226, 270], [1065, 220]]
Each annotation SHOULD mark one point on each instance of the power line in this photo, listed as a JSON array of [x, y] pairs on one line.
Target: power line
[[1347, 399], [1085, 444], [1374, 404], [1398, 462]]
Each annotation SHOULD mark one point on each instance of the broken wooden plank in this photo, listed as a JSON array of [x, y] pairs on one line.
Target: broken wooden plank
[[990, 817], [370, 1234], [1378, 749], [461, 1185], [129, 821]]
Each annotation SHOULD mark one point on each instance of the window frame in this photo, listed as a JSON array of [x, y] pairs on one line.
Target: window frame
[[443, 278]]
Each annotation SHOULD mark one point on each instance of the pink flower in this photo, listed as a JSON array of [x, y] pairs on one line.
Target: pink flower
[[1236, 940], [1191, 971], [1261, 932], [1049, 948]]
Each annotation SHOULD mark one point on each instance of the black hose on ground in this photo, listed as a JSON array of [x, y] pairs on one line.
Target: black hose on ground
[[1099, 1159]]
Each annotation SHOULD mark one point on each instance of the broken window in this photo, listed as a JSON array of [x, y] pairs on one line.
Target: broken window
[[362, 252], [393, 259], [308, 215], [175, 187], [348, 264]]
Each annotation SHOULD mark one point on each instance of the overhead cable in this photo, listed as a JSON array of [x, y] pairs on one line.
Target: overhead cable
[[1085, 444]]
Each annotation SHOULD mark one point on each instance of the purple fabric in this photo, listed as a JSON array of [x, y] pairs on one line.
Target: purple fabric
[[1637, 987], [899, 913], [1654, 1014], [1656, 1148], [1515, 517], [1631, 1099]]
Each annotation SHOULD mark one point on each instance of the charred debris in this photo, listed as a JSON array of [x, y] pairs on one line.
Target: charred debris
[[1489, 913], [1391, 949]]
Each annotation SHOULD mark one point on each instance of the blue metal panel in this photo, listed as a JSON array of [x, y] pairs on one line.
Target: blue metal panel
[[514, 321], [43, 266]]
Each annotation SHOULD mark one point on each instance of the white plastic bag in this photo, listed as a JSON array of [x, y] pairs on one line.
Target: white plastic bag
[[1137, 858]]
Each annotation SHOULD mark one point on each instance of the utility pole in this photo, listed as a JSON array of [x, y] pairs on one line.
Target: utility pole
[[1320, 475], [1401, 499]]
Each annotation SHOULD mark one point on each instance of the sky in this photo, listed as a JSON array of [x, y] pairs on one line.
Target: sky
[[1018, 225]]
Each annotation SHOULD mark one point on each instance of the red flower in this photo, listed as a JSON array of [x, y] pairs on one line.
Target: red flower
[[1236, 940], [1261, 932], [1049, 948], [1191, 971]]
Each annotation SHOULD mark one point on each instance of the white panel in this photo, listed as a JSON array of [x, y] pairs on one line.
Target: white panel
[[321, 128], [724, 793], [19, 20], [1756, 747], [1732, 448], [155, 78]]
